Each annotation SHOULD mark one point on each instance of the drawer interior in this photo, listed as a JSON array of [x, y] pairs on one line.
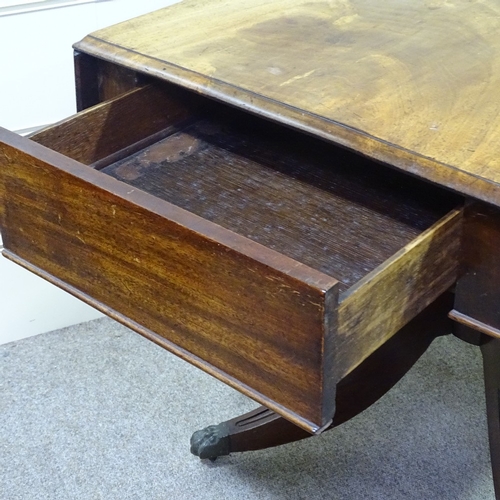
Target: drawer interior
[[271, 259], [321, 205]]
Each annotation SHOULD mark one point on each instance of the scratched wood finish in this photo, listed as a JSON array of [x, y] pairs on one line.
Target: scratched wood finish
[[255, 316], [390, 296], [321, 222], [318, 204], [262, 428], [315, 203], [414, 84], [115, 124]]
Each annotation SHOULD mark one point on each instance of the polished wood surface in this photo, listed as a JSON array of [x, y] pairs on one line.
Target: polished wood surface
[[230, 238], [414, 84], [256, 316], [263, 428]]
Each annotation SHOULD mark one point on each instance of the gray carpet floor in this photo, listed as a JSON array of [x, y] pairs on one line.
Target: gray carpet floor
[[97, 412]]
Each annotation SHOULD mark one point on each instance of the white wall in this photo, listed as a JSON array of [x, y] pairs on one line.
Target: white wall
[[36, 89]]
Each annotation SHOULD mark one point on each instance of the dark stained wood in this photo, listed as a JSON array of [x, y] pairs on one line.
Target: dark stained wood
[[262, 428], [473, 324], [131, 149], [259, 318], [477, 312], [86, 80], [115, 80], [315, 203], [319, 205], [478, 290], [97, 80], [463, 330], [413, 84], [117, 124], [169, 345], [491, 361], [315, 213], [247, 289]]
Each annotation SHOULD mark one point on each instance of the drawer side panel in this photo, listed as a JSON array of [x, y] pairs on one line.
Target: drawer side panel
[[394, 293], [257, 324], [111, 126]]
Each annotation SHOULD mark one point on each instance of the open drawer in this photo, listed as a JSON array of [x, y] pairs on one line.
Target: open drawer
[[272, 260]]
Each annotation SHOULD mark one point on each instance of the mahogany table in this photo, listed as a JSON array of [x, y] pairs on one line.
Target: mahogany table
[[297, 197]]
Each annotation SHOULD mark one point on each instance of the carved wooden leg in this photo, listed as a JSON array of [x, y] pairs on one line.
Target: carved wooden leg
[[256, 430], [262, 428], [491, 361]]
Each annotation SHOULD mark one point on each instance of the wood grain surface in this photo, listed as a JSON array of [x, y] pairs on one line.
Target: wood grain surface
[[258, 319], [316, 203], [478, 289], [230, 237], [365, 225], [411, 83], [116, 124], [97, 80], [374, 309]]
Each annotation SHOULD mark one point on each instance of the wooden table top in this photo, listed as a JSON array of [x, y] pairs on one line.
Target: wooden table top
[[414, 83]]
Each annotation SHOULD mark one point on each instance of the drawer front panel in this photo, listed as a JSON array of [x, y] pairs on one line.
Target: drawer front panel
[[256, 316], [202, 229]]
